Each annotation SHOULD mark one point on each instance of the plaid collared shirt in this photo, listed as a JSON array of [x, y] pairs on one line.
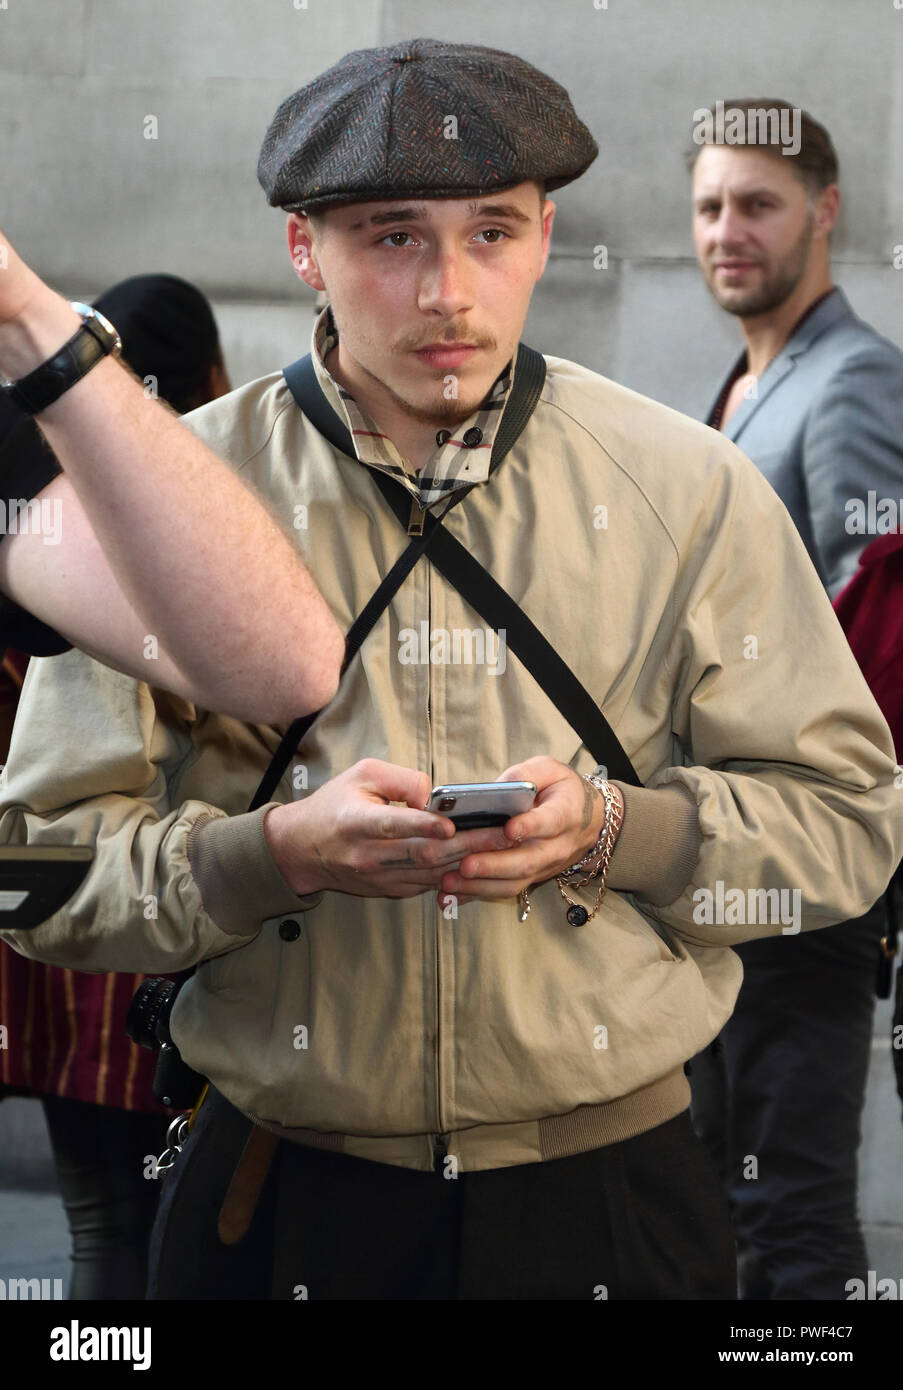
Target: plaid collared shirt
[[453, 465]]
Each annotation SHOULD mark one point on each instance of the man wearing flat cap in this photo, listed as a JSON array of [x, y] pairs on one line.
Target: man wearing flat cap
[[448, 1063]]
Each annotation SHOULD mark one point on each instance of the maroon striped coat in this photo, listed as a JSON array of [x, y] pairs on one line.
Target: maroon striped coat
[[65, 1030]]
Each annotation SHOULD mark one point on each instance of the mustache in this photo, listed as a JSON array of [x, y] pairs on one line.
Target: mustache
[[410, 345]]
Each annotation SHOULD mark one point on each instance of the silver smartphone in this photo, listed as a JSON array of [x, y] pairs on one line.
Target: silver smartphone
[[472, 805], [35, 881]]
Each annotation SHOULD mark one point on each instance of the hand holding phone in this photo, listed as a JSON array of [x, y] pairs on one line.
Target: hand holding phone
[[554, 832], [473, 805]]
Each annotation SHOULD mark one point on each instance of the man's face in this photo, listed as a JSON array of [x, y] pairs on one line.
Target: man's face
[[754, 227], [429, 296]]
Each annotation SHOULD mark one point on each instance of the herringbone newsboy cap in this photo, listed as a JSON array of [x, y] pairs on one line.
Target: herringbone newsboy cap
[[421, 118]]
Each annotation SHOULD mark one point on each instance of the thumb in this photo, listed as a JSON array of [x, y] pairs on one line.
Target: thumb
[[518, 773], [393, 783]]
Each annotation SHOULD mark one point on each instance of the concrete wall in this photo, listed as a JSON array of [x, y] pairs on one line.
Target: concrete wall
[[89, 200]]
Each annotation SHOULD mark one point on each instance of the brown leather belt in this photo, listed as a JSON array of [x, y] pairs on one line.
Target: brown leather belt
[[243, 1193]]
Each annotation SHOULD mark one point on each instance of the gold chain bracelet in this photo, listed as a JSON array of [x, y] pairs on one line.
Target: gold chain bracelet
[[596, 861]]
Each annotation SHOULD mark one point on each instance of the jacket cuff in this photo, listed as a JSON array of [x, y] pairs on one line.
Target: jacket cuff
[[239, 883], [658, 845]]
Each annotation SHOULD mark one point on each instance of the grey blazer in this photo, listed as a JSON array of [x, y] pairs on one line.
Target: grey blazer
[[827, 427]]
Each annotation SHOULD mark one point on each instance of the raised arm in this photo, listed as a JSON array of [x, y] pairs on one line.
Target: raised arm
[[149, 510]]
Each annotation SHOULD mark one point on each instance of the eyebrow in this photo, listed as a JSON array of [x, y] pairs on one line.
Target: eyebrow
[[745, 194], [419, 212]]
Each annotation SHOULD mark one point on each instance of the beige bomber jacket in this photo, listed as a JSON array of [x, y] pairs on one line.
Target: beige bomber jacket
[[668, 574]]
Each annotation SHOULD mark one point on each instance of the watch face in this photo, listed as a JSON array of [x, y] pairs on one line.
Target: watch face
[[88, 312]]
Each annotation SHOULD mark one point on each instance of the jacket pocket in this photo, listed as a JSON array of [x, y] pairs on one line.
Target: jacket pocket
[[275, 961], [644, 915]]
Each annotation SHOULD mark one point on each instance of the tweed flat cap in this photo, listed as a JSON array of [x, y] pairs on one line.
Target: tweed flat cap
[[421, 118]]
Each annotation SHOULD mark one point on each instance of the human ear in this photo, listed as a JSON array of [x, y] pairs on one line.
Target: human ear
[[827, 208], [301, 250]]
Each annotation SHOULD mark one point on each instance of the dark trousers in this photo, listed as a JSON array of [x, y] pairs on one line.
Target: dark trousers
[[646, 1219], [778, 1102], [100, 1154]]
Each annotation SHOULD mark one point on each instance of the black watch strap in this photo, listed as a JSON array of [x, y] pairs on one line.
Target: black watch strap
[[93, 340]]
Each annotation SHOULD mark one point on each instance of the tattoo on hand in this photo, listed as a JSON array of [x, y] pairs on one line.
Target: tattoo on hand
[[408, 862], [589, 801]]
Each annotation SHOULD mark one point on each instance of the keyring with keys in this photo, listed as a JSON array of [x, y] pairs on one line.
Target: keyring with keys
[[176, 1135]]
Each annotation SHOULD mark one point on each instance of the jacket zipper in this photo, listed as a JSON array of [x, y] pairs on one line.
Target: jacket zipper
[[438, 1140], [440, 1151]]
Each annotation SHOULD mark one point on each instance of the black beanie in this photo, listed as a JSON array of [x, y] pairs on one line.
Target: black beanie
[[168, 331]]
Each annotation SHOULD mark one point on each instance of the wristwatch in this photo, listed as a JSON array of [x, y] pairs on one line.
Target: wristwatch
[[95, 339]]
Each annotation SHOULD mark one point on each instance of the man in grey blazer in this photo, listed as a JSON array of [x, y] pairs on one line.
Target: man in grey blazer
[[816, 401]]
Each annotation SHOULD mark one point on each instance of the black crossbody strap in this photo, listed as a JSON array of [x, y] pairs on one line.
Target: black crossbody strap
[[497, 608], [475, 584], [301, 378], [356, 634]]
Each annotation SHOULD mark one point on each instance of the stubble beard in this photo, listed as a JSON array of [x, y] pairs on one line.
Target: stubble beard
[[443, 411], [440, 412], [777, 283]]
